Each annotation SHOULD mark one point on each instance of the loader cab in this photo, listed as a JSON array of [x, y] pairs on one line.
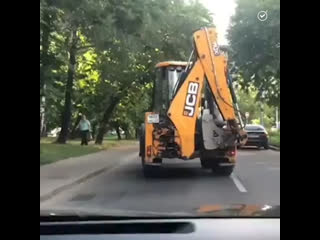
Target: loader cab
[[165, 85]]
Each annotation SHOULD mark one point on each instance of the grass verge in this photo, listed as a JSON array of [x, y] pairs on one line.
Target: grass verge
[[51, 152], [275, 139]]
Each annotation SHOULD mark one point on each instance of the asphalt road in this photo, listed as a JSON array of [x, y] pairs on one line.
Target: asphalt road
[[182, 185]]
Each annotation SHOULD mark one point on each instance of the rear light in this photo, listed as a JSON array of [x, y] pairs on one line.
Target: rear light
[[148, 151], [232, 152]]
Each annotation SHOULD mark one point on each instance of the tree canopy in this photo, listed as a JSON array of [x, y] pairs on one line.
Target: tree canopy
[[255, 47], [97, 58]]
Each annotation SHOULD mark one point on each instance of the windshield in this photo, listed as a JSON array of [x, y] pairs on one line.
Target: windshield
[[174, 74], [166, 80], [121, 134], [160, 91]]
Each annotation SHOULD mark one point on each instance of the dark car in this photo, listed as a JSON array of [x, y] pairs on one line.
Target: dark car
[[257, 136]]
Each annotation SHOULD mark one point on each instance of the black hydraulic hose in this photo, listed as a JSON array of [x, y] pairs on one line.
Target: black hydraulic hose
[[234, 98]]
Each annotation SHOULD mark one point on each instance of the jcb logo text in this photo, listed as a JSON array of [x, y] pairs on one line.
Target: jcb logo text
[[191, 99]]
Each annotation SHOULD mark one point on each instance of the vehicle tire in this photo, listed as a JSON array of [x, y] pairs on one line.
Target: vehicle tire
[[149, 171], [222, 170], [208, 161], [204, 163], [142, 141], [266, 146]]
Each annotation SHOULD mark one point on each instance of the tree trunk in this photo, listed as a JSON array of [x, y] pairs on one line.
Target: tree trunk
[[44, 69], [118, 132], [94, 128], [42, 115], [106, 117], [126, 133], [44, 130], [74, 128], [136, 133], [66, 117]]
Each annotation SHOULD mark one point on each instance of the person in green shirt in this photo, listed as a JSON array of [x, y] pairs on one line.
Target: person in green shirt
[[85, 128]]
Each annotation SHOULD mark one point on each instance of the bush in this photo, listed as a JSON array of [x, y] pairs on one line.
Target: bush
[[275, 138]]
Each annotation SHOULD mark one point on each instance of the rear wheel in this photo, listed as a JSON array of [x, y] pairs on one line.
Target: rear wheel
[[204, 162], [142, 142], [266, 146], [149, 170], [209, 160], [222, 170], [215, 167]]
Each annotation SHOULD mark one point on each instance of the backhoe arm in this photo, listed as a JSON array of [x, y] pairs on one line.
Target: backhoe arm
[[185, 106], [214, 66]]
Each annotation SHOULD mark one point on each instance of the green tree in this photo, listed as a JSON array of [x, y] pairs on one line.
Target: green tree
[[256, 47], [79, 17], [102, 58], [129, 61], [49, 15], [248, 102]]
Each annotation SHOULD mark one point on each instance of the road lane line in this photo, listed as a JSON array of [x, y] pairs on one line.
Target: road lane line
[[238, 184], [274, 168]]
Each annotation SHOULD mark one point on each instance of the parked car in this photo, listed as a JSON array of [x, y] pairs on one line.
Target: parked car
[[257, 136]]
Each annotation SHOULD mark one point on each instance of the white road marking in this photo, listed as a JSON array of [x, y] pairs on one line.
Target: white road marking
[[246, 153], [238, 184], [274, 168]]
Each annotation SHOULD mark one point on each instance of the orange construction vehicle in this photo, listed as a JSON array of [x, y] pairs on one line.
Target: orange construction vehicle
[[195, 114]]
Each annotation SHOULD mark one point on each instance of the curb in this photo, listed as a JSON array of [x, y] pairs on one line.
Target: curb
[[58, 190], [82, 179], [274, 148]]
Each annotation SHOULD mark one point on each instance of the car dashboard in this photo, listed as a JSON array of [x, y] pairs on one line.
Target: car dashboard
[[200, 228]]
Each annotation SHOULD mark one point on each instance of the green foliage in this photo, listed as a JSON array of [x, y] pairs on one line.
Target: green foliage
[[117, 44], [51, 152], [274, 138], [247, 100], [256, 47]]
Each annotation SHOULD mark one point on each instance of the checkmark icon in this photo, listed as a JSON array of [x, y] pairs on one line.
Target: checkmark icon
[[262, 16]]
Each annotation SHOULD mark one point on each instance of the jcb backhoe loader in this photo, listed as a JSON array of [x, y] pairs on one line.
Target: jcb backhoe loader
[[195, 114]]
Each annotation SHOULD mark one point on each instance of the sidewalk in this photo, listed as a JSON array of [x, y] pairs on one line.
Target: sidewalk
[[64, 174]]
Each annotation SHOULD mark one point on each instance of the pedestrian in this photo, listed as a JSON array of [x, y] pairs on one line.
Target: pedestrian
[[85, 128]]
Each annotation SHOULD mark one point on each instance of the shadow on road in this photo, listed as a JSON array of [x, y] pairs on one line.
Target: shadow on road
[[174, 171], [242, 149]]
